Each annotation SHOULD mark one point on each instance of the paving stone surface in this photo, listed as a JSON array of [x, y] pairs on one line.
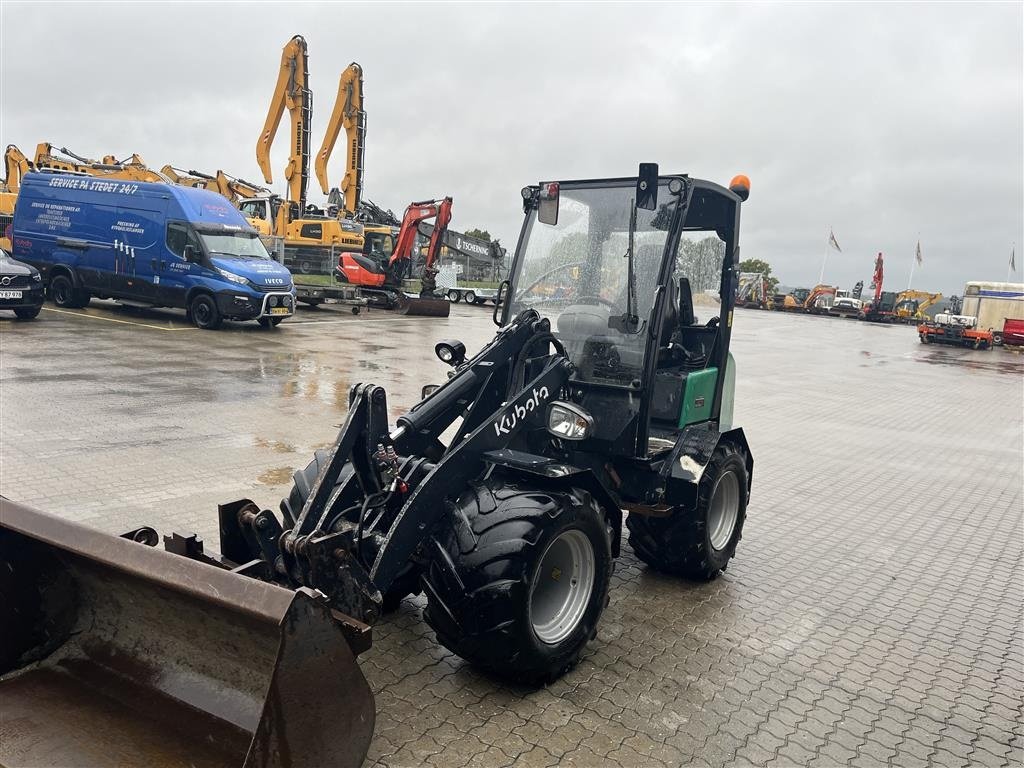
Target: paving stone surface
[[872, 617]]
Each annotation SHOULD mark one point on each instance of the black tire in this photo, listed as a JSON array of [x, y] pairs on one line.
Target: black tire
[[454, 297], [997, 339], [482, 576], [65, 294], [270, 322], [408, 581], [27, 313], [681, 542], [470, 297], [356, 310], [204, 313]]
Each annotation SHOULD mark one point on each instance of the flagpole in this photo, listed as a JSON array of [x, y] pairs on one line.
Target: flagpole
[[913, 263], [821, 277]]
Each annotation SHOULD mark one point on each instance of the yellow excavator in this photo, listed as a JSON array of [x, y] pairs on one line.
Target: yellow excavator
[[304, 232], [348, 113], [233, 188], [16, 165], [133, 169], [911, 305]]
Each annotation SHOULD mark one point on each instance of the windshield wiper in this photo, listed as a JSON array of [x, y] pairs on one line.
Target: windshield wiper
[[630, 321]]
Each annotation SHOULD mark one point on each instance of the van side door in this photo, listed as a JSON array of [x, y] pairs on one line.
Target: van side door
[[176, 274]]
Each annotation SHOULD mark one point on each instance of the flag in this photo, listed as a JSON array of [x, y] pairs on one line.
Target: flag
[[1013, 260], [919, 259], [832, 240]]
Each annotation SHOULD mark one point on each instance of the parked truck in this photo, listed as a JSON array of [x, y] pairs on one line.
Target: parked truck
[[993, 304], [148, 244]]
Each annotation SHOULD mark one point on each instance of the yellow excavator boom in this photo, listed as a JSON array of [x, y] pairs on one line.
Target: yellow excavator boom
[[291, 91], [133, 170], [16, 165], [348, 113]]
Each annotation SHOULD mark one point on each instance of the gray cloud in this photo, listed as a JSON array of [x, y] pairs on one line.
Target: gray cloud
[[887, 122]]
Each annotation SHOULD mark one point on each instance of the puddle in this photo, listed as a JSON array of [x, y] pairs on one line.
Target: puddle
[[276, 476], [275, 445]]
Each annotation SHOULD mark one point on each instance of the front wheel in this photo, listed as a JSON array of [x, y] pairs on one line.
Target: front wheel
[[519, 578], [698, 543], [204, 313], [454, 297], [27, 313], [270, 322]]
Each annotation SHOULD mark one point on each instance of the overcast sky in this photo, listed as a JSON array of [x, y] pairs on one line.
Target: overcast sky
[[886, 122]]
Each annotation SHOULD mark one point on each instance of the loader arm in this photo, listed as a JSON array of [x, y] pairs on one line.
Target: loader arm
[[348, 113], [291, 92]]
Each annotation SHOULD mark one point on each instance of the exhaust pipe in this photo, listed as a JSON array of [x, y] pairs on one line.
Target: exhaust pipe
[[114, 653]]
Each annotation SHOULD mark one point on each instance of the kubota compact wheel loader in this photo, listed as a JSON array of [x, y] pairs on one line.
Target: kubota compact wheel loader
[[501, 495], [601, 392]]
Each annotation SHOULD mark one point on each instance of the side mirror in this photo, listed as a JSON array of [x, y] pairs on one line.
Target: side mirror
[[499, 301], [647, 187], [190, 254], [547, 208]]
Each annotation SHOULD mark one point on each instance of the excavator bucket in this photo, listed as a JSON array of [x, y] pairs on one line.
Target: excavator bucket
[[113, 653], [423, 306]]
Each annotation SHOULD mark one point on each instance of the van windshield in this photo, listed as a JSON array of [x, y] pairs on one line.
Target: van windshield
[[244, 245]]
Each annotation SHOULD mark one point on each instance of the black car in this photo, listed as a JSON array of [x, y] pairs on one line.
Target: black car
[[21, 288]]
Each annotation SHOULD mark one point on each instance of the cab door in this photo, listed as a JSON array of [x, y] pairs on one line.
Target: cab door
[[176, 274]]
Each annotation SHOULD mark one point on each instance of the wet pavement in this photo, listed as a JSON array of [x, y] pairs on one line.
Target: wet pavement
[[873, 615]]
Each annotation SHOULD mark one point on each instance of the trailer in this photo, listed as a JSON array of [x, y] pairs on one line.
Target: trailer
[[993, 304], [456, 294], [955, 330]]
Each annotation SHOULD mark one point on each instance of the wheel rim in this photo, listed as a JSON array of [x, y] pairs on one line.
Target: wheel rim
[[471, 297], [725, 510], [562, 586], [202, 312], [60, 292]]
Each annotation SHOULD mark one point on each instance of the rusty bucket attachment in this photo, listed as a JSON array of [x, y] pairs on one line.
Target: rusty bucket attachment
[[113, 653], [424, 305]]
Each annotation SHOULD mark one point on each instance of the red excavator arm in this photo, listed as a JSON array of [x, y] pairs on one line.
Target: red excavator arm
[[414, 214], [876, 279]]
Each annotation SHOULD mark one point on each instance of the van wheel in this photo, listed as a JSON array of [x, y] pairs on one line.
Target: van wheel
[[64, 293], [204, 313], [270, 322]]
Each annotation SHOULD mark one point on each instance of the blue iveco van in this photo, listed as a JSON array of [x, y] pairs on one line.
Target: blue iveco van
[[148, 244]]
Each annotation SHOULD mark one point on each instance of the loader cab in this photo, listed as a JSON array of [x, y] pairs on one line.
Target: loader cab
[[640, 298]]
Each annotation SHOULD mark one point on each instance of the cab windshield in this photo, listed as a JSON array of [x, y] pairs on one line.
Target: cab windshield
[[575, 274], [243, 245]]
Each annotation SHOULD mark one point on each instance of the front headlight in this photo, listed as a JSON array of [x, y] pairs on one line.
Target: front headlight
[[233, 277], [569, 422], [37, 277]]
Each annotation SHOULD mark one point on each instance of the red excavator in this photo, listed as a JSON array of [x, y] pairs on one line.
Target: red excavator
[[380, 275], [882, 308]]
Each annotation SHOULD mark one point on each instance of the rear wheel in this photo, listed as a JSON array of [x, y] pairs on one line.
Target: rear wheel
[[516, 584], [470, 297], [698, 543], [204, 313], [27, 313], [65, 294], [454, 297]]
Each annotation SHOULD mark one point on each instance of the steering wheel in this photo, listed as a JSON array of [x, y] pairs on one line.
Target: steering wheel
[[595, 300]]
